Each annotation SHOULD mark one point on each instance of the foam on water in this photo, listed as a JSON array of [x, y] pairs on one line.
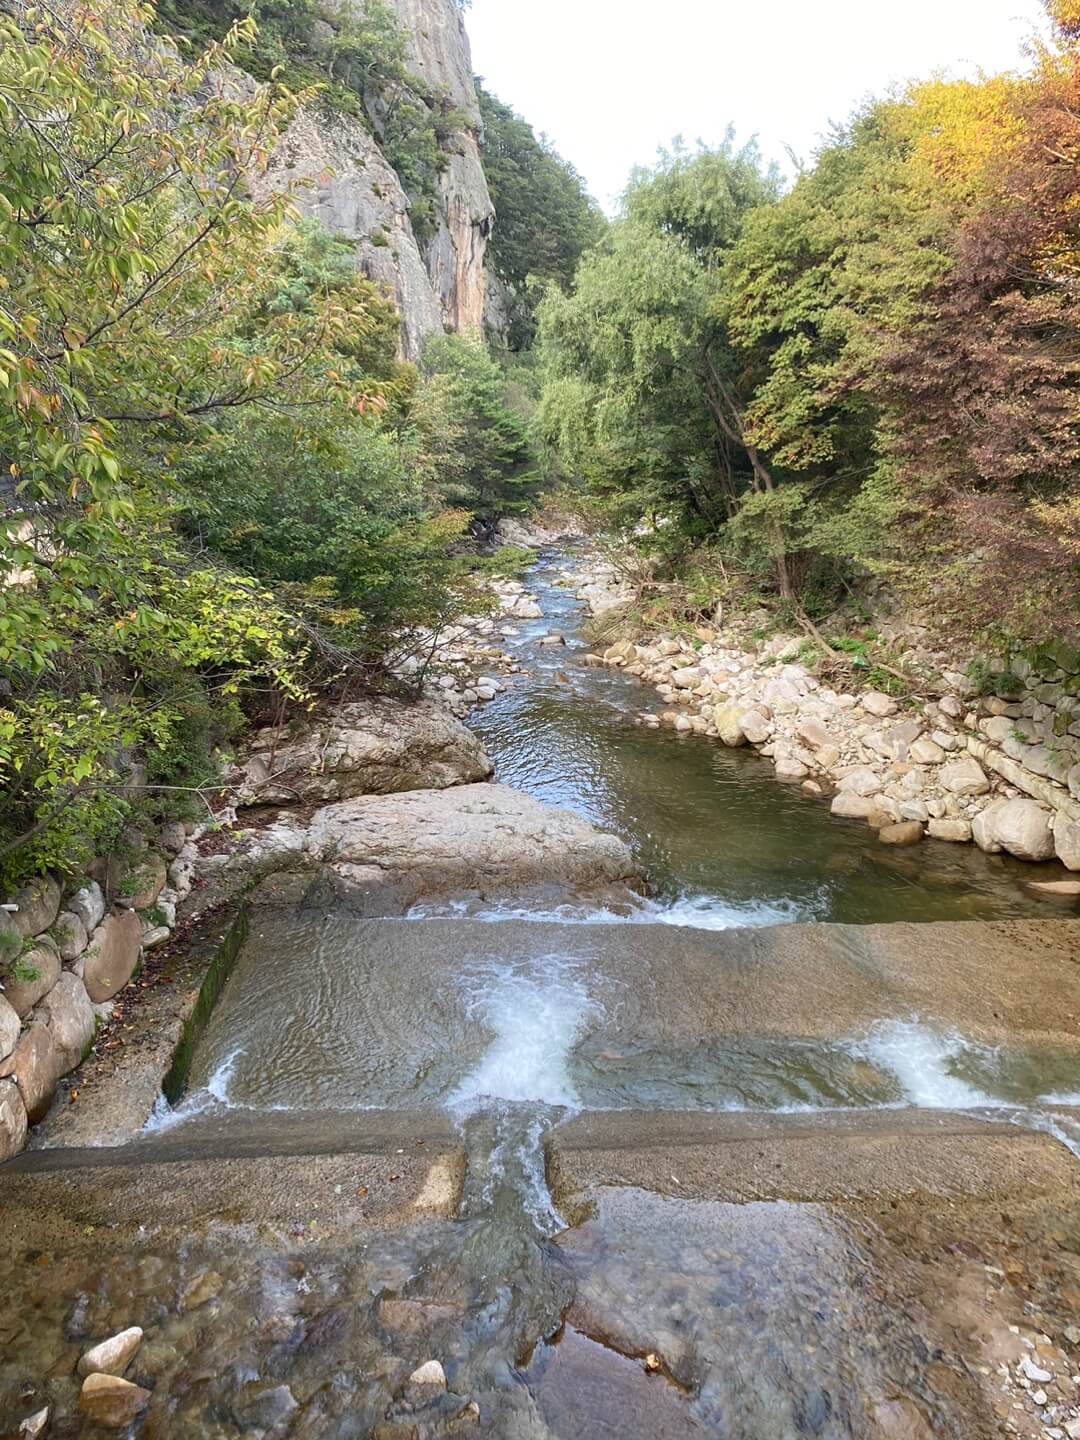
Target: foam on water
[[535, 1010], [698, 912], [214, 1096], [922, 1060]]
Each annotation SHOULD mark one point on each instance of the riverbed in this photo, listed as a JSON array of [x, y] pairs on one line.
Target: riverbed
[[790, 1150], [723, 842]]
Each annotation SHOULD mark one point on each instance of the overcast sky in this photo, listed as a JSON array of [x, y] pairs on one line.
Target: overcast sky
[[611, 80]]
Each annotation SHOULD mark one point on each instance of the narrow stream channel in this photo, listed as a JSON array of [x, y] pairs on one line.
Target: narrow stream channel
[[723, 842]]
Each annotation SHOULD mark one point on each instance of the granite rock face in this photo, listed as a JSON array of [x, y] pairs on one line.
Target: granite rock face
[[352, 190]]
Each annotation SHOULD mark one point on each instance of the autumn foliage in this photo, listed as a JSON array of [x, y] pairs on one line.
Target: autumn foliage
[[895, 341]]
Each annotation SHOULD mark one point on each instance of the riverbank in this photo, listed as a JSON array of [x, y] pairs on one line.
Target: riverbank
[[1000, 770]]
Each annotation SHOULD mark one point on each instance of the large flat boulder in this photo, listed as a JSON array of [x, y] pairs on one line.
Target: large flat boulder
[[474, 837], [377, 746]]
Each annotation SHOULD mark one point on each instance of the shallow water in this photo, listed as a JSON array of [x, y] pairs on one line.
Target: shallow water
[[722, 840], [638, 1314]]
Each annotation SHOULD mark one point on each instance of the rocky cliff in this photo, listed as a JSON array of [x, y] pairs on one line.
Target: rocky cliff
[[356, 195]]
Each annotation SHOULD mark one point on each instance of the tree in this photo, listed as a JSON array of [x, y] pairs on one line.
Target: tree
[[643, 395], [545, 219], [487, 467]]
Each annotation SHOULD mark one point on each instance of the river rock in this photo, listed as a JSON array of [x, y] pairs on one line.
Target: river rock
[[112, 1356], [112, 955], [143, 882], [849, 806], [70, 1017], [10, 1026], [688, 678], [983, 831], [860, 781], [964, 776], [907, 832], [1067, 840], [430, 1373], [35, 1067], [950, 828], [12, 1120], [925, 751], [112, 1402], [70, 935], [471, 837], [755, 726], [88, 903], [728, 724], [39, 903], [377, 746], [1022, 827], [34, 1425], [1061, 889], [874, 702], [32, 975], [265, 1407]]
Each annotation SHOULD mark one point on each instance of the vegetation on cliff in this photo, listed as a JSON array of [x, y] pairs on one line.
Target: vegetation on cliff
[[220, 487], [545, 218], [873, 373]]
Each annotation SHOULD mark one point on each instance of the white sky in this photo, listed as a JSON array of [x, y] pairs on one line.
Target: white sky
[[611, 80]]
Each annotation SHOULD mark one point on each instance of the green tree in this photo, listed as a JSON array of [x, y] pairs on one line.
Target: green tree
[[488, 467], [545, 219]]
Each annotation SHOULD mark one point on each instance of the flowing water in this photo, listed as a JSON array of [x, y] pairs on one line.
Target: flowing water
[[597, 1277]]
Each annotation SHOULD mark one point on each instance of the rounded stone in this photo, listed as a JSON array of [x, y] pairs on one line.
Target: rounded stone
[[907, 832], [112, 1402], [30, 976], [12, 1120], [1022, 827], [112, 955], [70, 1017]]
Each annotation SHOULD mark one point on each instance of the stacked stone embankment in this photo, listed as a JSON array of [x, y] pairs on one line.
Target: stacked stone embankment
[[68, 949]]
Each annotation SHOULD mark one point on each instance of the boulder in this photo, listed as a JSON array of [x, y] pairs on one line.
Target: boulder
[[849, 806], [31, 975], [471, 837], [70, 935], [378, 746], [35, 1067], [109, 1401], [755, 726], [110, 959], [39, 904], [964, 776], [10, 1026], [983, 831], [172, 837], [874, 702], [790, 767], [1022, 827], [688, 678], [68, 1013], [860, 781], [907, 832], [1067, 841], [88, 903], [142, 882], [12, 1120], [814, 734], [111, 1356], [925, 751], [728, 724], [950, 828]]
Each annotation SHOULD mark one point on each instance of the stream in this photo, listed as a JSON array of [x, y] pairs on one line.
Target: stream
[[634, 1251]]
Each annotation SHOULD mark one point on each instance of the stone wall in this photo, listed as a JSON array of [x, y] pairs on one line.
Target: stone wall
[[67, 950]]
